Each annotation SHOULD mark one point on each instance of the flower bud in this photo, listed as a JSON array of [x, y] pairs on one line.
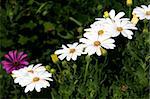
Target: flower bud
[[54, 58], [145, 30], [129, 2], [106, 14], [48, 67], [53, 71], [104, 52], [80, 29]]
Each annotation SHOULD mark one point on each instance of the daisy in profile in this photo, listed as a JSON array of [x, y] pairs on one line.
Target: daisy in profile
[[14, 60], [142, 12], [121, 27], [114, 17], [32, 78], [94, 44], [71, 51]]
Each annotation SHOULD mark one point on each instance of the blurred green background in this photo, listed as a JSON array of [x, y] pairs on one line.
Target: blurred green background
[[39, 27]]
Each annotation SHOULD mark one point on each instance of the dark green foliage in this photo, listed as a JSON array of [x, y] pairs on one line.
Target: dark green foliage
[[39, 27]]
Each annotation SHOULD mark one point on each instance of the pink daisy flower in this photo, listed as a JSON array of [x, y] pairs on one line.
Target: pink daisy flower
[[14, 61]]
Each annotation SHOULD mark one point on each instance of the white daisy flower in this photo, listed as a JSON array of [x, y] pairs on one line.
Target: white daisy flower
[[113, 16], [99, 30], [93, 44], [34, 78], [142, 12], [37, 80], [71, 51], [24, 72], [123, 27]]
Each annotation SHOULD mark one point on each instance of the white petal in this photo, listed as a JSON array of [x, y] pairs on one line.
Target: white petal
[[75, 44], [144, 6], [70, 45], [36, 66], [41, 68], [115, 34], [119, 15], [64, 47], [62, 56], [74, 57], [91, 50], [112, 14], [108, 41], [124, 34], [30, 66], [37, 87], [60, 51], [68, 57], [98, 52], [84, 40], [29, 87]]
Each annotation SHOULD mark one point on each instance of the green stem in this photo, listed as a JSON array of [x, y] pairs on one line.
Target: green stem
[[55, 78], [86, 69], [97, 69], [52, 95], [145, 26], [76, 21], [58, 67], [129, 11]]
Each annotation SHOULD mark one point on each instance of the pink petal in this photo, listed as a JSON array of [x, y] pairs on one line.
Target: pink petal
[[19, 55], [8, 57], [11, 69], [11, 54], [6, 63], [23, 56], [15, 54], [24, 63], [8, 68]]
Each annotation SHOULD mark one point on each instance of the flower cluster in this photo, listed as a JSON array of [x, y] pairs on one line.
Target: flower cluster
[[99, 36], [16, 63], [96, 39], [32, 77]]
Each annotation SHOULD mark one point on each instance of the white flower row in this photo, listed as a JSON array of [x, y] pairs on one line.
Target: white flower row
[[32, 77], [100, 34]]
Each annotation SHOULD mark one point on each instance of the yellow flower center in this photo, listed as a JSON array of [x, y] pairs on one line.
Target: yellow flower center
[[147, 12], [72, 50], [119, 29], [31, 71], [100, 32], [97, 43], [35, 79]]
